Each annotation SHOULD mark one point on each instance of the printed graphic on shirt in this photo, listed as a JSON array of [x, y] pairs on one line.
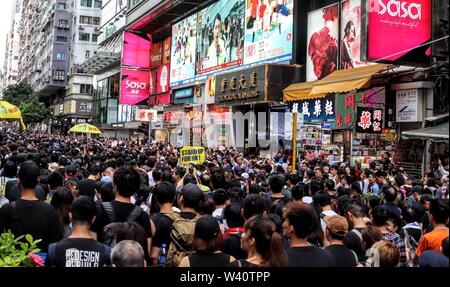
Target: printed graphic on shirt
[[82, 258]]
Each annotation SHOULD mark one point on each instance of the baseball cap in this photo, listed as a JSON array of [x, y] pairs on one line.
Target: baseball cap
[[191, 192], [245, 176], [337, 225], [207, 228]]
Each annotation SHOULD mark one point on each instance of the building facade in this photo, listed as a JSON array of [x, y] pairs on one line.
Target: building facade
[[12, 52], [77, 102], [105, 65]]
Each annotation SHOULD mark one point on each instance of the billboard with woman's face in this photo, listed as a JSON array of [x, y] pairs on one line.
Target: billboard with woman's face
[[183, 51], [351, 34], [220, 36], [268, 30], [322, 45]]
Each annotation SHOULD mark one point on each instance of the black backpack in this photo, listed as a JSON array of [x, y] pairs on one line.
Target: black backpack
[[109, 231]]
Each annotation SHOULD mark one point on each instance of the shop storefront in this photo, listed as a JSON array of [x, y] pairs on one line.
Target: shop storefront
[[317, 119], [363, 113], [252, 94]]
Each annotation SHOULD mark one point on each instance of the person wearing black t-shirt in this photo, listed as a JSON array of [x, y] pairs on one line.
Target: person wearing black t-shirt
[[164, 195], [301, 220], [235, 229], [79, 249], [337, 228], [126, 183], [206, 244], [29, 215], [87, 186], [262, 243], [189, 202], [276, 184]]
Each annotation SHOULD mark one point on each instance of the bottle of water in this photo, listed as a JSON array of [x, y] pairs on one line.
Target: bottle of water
[[162, 257]]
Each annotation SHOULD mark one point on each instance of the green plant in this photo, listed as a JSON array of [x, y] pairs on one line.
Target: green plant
[[14, 252]]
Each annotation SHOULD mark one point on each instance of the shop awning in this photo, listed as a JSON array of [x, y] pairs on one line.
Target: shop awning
[[343, 81], [438, 133], [300, 92]]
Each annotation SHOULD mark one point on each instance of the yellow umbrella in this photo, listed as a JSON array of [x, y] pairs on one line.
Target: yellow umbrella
[[9, 111], [86, 129]]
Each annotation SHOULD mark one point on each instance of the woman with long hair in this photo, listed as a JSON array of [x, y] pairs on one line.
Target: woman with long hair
[[62, 202], [262, 244], [208, 240]]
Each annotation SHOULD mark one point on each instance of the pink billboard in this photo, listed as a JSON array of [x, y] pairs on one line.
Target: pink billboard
[[135, 87], [397, 29], [137, 50]]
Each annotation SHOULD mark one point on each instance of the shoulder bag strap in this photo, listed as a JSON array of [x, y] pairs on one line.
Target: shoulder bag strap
[[108, 207]]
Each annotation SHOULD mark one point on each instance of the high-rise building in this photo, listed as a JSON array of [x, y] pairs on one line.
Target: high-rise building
[[44, 47], [12, 51], [106, 67], [85, 28]]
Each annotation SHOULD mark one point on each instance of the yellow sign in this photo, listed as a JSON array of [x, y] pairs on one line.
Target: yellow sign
[[195, 155]]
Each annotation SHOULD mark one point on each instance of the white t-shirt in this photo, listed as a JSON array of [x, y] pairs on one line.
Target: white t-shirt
[[151, 182], [307, 199]]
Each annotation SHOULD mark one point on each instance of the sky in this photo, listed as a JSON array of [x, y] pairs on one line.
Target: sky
[[5, 23]]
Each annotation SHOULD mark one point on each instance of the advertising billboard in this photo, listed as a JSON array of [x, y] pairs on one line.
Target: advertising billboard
[[183, 51], [166, 50], [351, 34], [134, 86], [268, 30], [163, 79], [136, 50], [220, 36], [156, 55], [398, 30], [322, 42]]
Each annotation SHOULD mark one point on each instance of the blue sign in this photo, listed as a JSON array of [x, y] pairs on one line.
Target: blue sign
[[316, 110], [183, 96]]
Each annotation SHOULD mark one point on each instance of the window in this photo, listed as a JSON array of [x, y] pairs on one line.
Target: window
[[97, 3], [94, 38], [85, 20], [88, 54], [61, 6], [63, 23], [86, 3], [62, 39], [61, 56], [96, 21], [85, 89], [84, 36]]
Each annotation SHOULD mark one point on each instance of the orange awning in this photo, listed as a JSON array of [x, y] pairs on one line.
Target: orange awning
[[343, 81], [300, 92]]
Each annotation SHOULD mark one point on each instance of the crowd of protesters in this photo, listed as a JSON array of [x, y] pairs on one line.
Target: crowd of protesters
[[97, 202]]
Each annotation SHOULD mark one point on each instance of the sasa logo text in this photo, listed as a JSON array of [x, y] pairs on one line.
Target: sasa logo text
[[401, 9], [135, 85]]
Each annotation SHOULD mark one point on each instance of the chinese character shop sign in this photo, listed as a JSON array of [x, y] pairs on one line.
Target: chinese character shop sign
[[346, 105], [243, 87], [146, 115], [369, 120], [316, 109]]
